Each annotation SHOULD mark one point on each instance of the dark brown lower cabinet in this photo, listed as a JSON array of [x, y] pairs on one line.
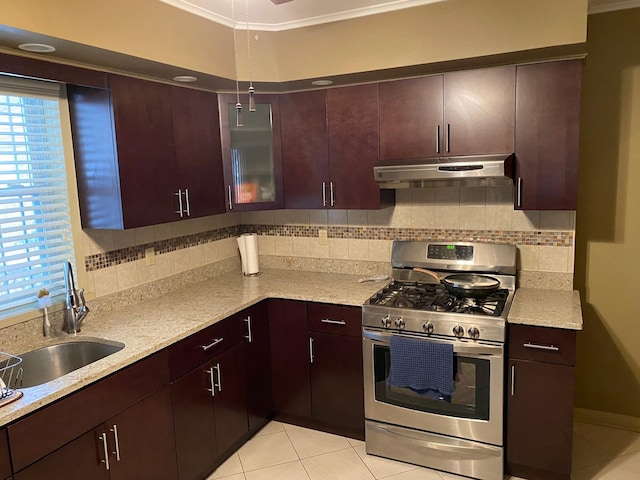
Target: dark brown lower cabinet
[[135, 444], [209, 412], [5, 461], [336, 381]]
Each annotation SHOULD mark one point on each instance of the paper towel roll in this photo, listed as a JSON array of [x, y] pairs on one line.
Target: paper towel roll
[[248, 246]]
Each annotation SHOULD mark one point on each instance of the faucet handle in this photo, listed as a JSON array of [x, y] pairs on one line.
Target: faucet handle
[[84, 302]]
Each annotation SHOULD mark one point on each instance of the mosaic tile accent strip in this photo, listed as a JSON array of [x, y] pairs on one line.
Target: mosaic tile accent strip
[[131, 254]]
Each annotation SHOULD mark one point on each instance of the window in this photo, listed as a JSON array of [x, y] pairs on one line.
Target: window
[[35, 224]]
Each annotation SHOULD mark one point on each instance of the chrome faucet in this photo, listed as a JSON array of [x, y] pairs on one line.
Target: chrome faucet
[[77, 308]]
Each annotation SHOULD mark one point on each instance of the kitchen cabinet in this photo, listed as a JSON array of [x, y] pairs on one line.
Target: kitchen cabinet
[[470, 112], [5, 461], [337, 385], [290, 371], [258, 365], [209, 401], [329, 148], [547, 135], [146, 153], [540, 389], [251, 153], [79, 431]]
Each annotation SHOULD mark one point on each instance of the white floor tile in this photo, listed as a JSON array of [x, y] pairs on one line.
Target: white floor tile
[[416, 474], [231, 466], [238, 476], [271, 427], [613, 440], [585, 453], [309, 443], [354, 442], [286, 471], [616, 469], [340, 465], [382, 467], [266, 451]]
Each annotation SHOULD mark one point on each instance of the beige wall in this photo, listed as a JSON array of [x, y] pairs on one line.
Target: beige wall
[[448, 30], [608, 220]]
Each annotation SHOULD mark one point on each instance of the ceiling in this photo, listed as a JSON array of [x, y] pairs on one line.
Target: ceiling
[[266, 16]]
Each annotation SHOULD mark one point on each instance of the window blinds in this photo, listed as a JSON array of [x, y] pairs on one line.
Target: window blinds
[[35, 225]]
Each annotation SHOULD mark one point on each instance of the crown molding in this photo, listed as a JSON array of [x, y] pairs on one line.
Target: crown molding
[[612, 5]]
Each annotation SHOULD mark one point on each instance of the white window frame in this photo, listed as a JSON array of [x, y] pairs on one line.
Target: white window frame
[[22, 86]]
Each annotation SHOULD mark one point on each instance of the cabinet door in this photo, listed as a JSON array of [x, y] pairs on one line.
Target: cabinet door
[[337, 387], [194, 423], [304, 149], [547, 135], [258, 364], [290, 357], [196, 127], [352, 117], [142, 114], [479, 111], [230, 400], [5, 462], [411, 118], [252, 154], [81, 459], [141, 440], [539, 419]]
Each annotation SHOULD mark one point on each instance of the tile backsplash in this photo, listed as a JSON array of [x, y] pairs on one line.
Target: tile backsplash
[[360, 239]]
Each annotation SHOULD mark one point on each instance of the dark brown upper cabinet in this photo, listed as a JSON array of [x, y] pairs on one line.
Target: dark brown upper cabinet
[[146, 153], [547, 135], [329, 147], [470, 112], [251, 154]]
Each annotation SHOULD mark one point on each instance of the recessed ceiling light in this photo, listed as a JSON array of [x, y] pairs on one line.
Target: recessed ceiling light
[[321, 83], [185, 78], [37, 47]]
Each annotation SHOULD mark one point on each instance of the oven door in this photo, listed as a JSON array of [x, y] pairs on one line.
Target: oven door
[[473, 412]]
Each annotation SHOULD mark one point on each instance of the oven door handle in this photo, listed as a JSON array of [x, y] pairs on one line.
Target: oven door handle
[[459, 347]]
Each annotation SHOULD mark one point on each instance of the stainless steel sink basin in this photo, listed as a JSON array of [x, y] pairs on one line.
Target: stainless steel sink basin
[[48, 363]]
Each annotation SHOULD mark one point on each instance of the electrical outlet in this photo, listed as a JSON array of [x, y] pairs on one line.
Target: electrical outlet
[[322, 237], [150, 256]]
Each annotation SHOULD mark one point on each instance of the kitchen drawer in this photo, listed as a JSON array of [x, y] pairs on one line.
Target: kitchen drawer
[[542, 344], [184, 356], [336, 319]]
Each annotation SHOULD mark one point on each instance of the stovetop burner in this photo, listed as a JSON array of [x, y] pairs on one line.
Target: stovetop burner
[[435, 297]]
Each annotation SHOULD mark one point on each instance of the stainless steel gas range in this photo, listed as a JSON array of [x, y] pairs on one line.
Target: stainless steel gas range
[[450, 300]]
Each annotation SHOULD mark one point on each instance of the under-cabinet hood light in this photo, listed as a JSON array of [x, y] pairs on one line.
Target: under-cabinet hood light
[[37, 47], [322, 83], [185, 78]]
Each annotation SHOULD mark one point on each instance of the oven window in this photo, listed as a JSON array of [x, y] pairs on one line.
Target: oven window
[[471, 384]]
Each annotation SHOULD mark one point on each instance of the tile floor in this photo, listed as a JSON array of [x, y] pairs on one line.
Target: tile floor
[[286, 452]]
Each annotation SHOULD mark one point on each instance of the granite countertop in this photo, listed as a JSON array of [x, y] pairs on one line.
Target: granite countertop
[[150, 326], [546, 308]]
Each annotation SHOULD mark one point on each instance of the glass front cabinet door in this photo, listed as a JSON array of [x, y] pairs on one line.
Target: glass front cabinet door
[[251, 153]]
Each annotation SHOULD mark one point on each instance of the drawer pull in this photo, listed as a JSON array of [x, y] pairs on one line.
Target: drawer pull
[[333, 322], [212, 344], [219, 384], [513, 380], [212, 382], [550, 348], [249, 336], [116, 441], [105, 448]]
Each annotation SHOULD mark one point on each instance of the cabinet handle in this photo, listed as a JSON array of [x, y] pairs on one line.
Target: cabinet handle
[[105, 448], [186, 197], [230, 203], [519, 193], [212, 382], [311, 350], [438, 138], [551, 348], [333, 322], [114, 430], [324, 194], [249, 336], [332, 199], [179, 212], [219, 384], [215, 342], [513, 380], [448, 140]]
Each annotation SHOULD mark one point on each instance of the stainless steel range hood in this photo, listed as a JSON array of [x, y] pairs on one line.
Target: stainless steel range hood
[[466, 170]]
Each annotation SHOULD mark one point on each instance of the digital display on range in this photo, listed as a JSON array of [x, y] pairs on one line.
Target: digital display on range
[[450, 252]]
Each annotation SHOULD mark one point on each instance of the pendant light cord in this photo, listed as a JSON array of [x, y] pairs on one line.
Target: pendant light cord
[[246, 6], [235, 48]]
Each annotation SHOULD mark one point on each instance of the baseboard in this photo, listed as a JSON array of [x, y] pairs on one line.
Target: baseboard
[[607, 419]]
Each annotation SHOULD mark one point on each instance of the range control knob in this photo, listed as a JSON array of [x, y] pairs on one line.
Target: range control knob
[[399, 323], [458, 331], [474, 332], [428, 327], [386, 322]]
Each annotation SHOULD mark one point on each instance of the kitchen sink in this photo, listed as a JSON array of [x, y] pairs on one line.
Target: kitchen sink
[[48, 363]]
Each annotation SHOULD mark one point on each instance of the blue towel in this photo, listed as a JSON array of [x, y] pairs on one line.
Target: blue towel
[[424, 367]]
